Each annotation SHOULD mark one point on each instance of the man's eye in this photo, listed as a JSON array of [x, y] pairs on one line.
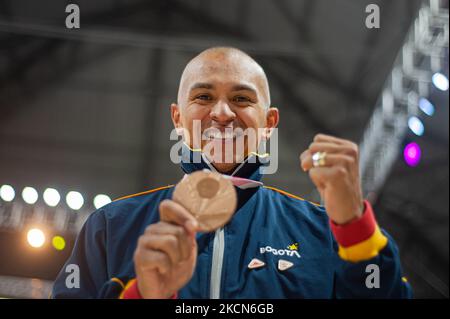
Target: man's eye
[[204, 97], [240, 99]]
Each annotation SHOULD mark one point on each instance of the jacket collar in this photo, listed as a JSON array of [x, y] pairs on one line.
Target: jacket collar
[[246, 177], [194, 160]]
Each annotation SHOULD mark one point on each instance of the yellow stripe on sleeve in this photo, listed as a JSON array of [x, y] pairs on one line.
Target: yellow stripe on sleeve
[[366, 249]]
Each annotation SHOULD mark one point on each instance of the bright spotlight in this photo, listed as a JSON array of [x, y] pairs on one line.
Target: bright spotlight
[[412, 154], [426, 106], [74, 200], [101, 200], [30, 195], [7, 193], [51, 197], [440, 81], [416, 125], [36, 237]]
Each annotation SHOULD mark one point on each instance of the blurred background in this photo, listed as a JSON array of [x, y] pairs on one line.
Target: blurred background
[[84, 113]]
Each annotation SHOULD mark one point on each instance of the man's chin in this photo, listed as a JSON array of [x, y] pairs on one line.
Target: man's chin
[[226, 145], [225, 168]]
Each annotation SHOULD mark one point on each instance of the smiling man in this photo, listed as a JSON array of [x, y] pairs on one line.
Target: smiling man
[[227, 93], [276, 245]]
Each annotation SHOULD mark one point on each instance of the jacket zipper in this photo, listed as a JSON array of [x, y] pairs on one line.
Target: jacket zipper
[[217, 263]]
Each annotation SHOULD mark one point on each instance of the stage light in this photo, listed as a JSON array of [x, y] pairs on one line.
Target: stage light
[[30, 195], [51, 197], [7, 193], [416, 125], [74, 200], [426, 106], [36, 237], [59, 243], [412, 154], [440, 81], [101, 200]]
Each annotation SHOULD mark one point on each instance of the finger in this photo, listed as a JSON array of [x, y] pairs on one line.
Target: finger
[[330, 160], [330, 147], [349, 148], [165, 243], [305, 158], [154, 259], [321, 176], [179, 232], [303, 154], [173, 212], [329, 138]]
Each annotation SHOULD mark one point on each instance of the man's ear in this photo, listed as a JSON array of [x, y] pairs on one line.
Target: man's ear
[[176, 118], [272, 118]]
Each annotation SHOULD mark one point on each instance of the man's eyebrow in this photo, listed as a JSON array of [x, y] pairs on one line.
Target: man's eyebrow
[[200, 85], [237, 87], [243, 87]]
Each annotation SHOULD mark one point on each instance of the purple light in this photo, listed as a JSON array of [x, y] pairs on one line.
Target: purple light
[[412, 154]]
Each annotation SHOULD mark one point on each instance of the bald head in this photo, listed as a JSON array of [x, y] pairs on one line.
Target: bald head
[[219, 64], [224, 89]]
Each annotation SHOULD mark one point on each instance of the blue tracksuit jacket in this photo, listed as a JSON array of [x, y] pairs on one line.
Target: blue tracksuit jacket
[[268, 225]]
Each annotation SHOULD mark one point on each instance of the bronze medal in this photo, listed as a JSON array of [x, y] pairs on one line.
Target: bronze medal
[[208, 196]]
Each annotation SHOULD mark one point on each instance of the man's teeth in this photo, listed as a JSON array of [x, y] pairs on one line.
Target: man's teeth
[[222, 136]]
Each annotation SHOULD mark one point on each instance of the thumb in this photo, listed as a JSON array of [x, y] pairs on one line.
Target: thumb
[[317, 179], [316, 176]]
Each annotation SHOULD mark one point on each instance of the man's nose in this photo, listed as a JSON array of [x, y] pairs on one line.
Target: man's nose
[[222, 113]]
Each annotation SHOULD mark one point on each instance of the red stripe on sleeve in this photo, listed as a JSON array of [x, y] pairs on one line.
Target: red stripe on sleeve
[[132, 292], [356, 231]]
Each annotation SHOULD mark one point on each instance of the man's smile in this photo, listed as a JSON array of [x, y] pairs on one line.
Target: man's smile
[[216, 134]]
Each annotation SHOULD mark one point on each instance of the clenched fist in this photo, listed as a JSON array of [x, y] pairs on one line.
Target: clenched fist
[[337, 178], [166, 253]]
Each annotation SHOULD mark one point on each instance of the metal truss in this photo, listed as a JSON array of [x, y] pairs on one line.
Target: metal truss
[[422, 54]]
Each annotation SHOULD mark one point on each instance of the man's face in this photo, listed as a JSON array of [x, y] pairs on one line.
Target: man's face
[[227, 94]]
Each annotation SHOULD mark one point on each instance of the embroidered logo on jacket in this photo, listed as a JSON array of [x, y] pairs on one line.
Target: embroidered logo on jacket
[[290, 251]]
